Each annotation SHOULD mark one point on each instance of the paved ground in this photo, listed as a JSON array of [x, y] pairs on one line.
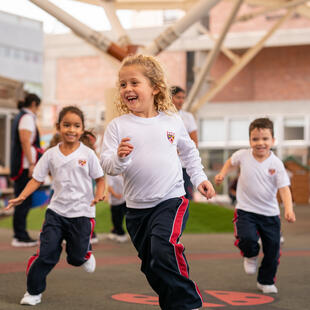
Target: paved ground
[[119, 284]]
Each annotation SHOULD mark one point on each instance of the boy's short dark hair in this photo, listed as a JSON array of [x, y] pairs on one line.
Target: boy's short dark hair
[[262, 123]]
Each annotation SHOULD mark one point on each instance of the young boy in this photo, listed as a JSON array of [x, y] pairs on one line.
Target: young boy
[[262, 174]]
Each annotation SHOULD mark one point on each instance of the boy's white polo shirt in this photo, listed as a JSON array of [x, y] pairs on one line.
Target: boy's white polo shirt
[[71, 179], [259, 182]]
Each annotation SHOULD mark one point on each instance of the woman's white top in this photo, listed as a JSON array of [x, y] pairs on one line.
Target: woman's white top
[[28, 122], [152, 172]]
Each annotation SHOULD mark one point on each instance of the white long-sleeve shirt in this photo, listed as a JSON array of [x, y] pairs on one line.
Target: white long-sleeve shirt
[[152, 172]]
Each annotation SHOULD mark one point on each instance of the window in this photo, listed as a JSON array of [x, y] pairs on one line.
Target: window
[[294, 128], [300, 154], [212, 130], [212, 159], [239, 129]]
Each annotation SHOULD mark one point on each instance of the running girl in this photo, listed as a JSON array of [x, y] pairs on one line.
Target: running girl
[[143, 144], [70, 214]]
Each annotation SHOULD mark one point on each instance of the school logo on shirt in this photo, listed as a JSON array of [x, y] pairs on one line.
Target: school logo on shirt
[[82, 162], [272, 171], [170, 136]]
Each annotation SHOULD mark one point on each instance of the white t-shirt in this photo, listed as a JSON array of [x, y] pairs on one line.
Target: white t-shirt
[[71, 179], [28, 122], [117, 183], [152, 172], [259, 182], [189, 121]]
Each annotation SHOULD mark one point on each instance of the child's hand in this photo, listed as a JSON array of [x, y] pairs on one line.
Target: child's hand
[[96, 200], [15, 202], [290, 216], [219, 178], [124, 148], [206, 189], [118, 196]]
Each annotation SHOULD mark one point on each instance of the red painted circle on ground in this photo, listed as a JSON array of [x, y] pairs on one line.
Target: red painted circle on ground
[[225, 298]]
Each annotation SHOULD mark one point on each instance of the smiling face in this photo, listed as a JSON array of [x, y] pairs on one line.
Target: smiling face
[[70, 128], [261, 141], [136, 91]]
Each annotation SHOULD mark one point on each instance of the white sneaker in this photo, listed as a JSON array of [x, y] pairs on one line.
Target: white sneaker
[[90, 264], [267, 289], [94, 240], [23, 243], [250, 264], [31, 300], [112, 236], [121, 238]]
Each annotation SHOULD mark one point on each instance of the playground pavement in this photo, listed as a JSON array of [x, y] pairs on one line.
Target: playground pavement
[[117, 283]]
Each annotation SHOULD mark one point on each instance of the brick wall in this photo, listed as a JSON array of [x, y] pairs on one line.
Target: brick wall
[[222, 10], [277, 73], [84, 79]]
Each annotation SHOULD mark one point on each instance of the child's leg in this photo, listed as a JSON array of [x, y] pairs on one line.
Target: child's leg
[[78, 234], [269, 230], [246, 233], [118, 212], [155, 233], [40, 264]]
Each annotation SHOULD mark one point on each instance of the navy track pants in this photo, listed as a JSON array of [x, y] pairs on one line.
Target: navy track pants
[[77, 233], [248, 228], [155, 233]]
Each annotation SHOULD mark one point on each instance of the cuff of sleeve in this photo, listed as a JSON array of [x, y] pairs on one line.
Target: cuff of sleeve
[[196, 182], [123, 160], [41, 180]]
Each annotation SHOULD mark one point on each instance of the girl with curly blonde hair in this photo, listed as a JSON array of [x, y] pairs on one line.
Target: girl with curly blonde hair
[[153, 71], [143, 146]]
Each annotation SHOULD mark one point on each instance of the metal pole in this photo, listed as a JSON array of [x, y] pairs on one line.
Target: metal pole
[[93, 37], [212, 55], [173, 32], [110, 10], [246, 58]]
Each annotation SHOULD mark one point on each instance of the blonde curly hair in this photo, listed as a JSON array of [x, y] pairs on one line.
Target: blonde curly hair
[[151, 69]]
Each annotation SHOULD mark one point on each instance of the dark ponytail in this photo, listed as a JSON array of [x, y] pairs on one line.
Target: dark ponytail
[[28, 101]]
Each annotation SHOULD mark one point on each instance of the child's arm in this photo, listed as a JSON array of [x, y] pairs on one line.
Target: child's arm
[[206, 189], [113, 193], [31, 186], [286, 196], [99, 195], [219, 178], [115, 157]]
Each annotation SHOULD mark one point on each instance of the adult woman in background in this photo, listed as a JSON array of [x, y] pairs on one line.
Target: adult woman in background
[[178, 98], [25, 152]]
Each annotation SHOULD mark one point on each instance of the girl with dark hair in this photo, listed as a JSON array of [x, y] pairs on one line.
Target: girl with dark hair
[[70, 213]]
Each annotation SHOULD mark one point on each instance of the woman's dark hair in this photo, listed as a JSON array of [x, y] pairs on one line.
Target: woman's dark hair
[[71, 109], [176, 89], [28, 101]]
